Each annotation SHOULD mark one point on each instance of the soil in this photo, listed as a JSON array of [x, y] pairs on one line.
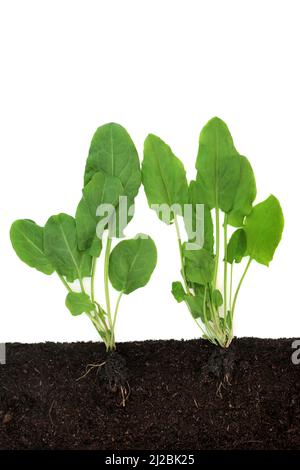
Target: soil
[[176, 399]]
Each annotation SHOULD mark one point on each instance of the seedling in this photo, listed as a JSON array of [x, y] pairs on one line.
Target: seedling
[[224, 190], [71, 246]]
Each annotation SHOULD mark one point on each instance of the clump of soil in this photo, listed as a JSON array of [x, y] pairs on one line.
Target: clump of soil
[[116, 372], [174, 402], [221, 364]]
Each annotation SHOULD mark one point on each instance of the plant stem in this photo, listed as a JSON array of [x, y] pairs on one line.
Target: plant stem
[[81, 285], [117, 309], [106, 289], [217, 247], [239, 286], [231, 280], [94, 263], [106, 279], [225, 266], [181, 254], [67, 286]]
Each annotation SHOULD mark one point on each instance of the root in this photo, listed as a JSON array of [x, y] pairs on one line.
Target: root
[[221, 365], [91, 367], [125, 394], [114, 373]]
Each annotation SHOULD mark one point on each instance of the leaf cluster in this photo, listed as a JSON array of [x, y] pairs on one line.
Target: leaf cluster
[[71, 245], [225, 188]]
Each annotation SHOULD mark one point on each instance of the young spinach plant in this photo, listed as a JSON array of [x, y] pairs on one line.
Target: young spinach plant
[[71, 246], [224, 190]]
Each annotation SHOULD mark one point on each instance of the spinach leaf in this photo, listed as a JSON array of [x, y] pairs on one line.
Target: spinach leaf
[[178, 291], [237, 246], [193, 221], [199, 265], [113, 153], [101, 189], [263, 228], [217, 298], [244, 196], [164, 177], [27, 240], [60, 243], [78, 303], [131, 263], [218, 165], [195, 303]]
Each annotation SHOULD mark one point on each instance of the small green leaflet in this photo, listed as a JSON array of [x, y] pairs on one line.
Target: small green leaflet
[[131, 263], [237, 246], [60, 243], [78, 303], [217, 298], [263, 228], [178, 291], [199, 266], [27, 241], [244, 196]]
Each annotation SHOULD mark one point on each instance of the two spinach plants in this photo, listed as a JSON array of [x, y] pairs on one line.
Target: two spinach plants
[[224, 189], [71, 246]]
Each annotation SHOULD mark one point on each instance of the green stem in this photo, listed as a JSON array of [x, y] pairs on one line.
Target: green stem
[[96, 320], [181, 255], [117, 309], [106, 289], [94, 263], [218, 332], [231, 281], [225, 266], [209, 331], [106, 279], [81, 285], [217, 247], [239, 286], [67, 286]]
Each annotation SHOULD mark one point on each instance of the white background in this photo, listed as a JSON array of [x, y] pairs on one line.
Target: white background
[[164, 67]]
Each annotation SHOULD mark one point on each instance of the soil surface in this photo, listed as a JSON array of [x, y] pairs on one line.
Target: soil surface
[[177, 400]]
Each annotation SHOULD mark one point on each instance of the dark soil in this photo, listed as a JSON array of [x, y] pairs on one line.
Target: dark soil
[[177, 399]]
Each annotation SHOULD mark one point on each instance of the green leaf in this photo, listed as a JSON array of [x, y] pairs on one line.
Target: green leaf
[[263, 228], [113, 153], [131, 263], [244, 196], [78, 302], [199, 219], [199, 265], [27, 241], [218, 165], [217, 298], [163, 176], [178, 291], [195, 302], [60, 243], [101, 190], [95, 248], [237, 246]]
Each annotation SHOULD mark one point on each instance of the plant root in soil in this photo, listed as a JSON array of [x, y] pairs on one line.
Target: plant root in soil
[[114, 372], [221, 365]]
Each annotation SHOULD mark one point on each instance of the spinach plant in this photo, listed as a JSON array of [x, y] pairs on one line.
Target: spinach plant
[[71, 246], [224, 189]]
